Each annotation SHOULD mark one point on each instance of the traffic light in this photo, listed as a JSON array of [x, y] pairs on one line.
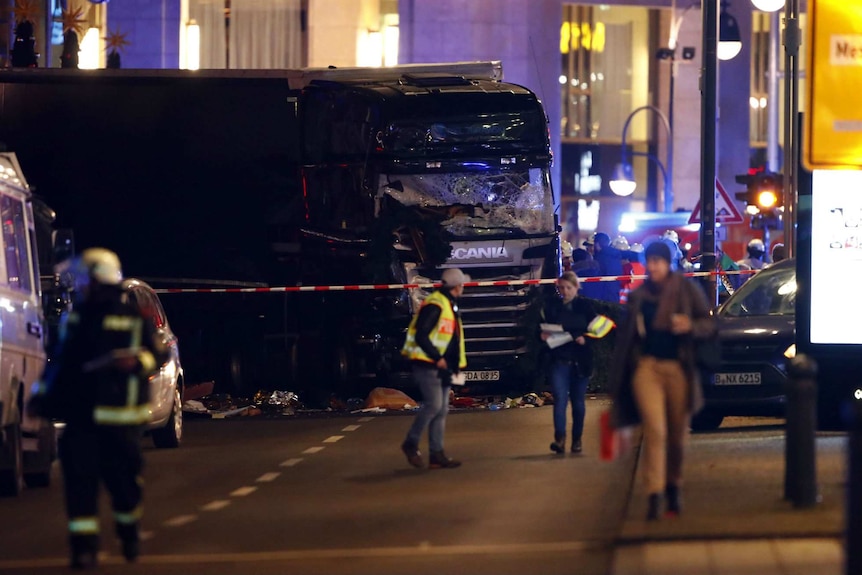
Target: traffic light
[[763, 197]]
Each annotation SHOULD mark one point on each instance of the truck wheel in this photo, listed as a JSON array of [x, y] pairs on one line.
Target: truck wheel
[[706, 421], [12, 461], [170, 436], [37, 466]]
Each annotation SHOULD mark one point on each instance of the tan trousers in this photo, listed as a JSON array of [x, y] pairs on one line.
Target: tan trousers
[[661, 392]]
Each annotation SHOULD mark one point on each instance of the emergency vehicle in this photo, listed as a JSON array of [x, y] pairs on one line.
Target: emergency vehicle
[[27, 445]]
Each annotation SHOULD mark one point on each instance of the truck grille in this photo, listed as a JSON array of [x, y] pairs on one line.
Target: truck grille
[[495, 317]]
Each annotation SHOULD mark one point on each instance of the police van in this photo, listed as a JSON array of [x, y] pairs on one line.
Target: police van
[[27, 445]]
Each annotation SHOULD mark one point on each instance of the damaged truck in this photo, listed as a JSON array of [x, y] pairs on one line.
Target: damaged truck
[[325, 177]]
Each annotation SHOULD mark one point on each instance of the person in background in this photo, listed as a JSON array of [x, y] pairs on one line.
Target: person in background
[[435, 348], [572, 362], [756, 254], [654, 377], [632, 266], [610, 264], [566, 253], [97, 384], [677, 258], [585, 266], [590, 246], [779, 253]]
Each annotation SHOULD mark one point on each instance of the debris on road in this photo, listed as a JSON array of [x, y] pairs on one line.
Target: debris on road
[[198, 390], [388, 398]]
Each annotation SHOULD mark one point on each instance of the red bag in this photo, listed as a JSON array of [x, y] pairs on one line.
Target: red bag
[[609, 441], [614, 441]]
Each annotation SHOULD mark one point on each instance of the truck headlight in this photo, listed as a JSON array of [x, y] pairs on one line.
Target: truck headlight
[[790, 352]]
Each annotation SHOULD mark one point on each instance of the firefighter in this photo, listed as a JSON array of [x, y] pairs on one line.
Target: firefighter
[[756, 255], [97, 383]]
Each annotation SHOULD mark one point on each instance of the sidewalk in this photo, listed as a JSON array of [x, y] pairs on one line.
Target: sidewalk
[[734, 518]]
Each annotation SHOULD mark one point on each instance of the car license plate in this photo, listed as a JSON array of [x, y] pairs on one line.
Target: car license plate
[[482, 375], [746, 378]]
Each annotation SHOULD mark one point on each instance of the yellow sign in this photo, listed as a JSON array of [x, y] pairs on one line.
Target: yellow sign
[[833, 122], [574, 36]]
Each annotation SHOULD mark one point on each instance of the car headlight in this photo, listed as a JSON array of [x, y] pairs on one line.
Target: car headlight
[[790, 352]]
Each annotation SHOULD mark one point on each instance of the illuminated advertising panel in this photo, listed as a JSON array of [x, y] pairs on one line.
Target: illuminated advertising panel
[[836, 257]]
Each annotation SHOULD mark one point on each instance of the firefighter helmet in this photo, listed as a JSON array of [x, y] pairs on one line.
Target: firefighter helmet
[[756, 247], [672, 235], [101, 265], [620, 243]]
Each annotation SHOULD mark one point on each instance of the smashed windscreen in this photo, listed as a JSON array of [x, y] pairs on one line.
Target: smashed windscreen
[[480, 203]]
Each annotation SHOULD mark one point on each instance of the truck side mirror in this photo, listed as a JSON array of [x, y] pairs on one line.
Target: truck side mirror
[[62, 245]]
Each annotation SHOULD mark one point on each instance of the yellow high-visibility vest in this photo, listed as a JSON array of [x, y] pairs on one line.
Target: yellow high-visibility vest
[[440, 336]]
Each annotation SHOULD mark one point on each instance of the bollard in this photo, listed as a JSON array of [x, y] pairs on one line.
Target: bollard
[[800, 462], [853, 521]]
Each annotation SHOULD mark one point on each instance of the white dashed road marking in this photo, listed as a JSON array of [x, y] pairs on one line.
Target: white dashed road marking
[[243, 491], [216, 505], [180, 520], [220, 504]]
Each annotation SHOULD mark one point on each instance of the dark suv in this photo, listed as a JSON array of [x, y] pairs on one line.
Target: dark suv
[[757, 329]]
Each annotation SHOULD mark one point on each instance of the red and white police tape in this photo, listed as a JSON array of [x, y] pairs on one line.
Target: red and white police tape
[[367, 287]]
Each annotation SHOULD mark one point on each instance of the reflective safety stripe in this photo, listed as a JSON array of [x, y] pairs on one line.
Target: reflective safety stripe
[[84, 525], [148, 362], [119, 323], [110, 415], [129, 518]]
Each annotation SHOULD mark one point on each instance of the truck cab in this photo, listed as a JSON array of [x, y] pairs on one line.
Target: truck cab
[[27, 445], [407, 175]]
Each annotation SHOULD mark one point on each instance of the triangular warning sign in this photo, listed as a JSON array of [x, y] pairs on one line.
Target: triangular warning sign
[[725, 209]]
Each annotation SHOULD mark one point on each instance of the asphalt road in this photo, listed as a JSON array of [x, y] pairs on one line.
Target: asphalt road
[[335, 495]]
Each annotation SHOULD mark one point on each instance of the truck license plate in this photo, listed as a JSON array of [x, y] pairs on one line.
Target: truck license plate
[[746, 378], [482, 375]]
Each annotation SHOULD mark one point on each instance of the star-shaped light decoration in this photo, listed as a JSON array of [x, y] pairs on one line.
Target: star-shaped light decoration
[[116, 41], [73, 21], [27, 10]]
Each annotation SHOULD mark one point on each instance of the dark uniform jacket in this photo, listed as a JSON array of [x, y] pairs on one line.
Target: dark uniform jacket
[[98, 375], [575, 319]]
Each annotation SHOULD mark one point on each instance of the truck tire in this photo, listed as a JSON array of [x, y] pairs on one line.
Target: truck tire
[[171, 435], [37, 466], [12, 461]]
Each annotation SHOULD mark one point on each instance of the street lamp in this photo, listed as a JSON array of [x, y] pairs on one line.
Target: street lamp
[[623, 183], [768, 5], [729, 37]]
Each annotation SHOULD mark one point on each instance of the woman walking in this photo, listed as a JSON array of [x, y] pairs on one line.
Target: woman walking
[[571, 362], [654, 376]]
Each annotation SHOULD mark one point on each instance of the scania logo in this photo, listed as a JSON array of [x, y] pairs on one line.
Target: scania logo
[[486, 253]]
